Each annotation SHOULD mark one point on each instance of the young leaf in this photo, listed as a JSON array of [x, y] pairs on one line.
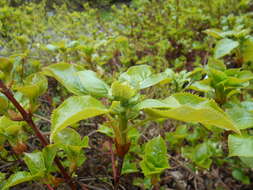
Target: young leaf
[[202, 154], [94, 85], [155, 159], [128, 167], [69, 137], [189, 108], [9, 127], [122, 91], [74, 109], [66, 74], [224, 47], [34, 86], [35, 162], [141, 77], [106, 130], [49, 153]]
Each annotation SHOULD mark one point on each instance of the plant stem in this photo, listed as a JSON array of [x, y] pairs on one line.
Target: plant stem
[[28, 118], [118, 173], [49, 187], [122, 147], [114, 171], [156, 187]]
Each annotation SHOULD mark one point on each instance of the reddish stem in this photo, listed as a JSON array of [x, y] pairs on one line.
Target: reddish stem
[[28, 118], [113, 163], [118, 172], [49, 187]]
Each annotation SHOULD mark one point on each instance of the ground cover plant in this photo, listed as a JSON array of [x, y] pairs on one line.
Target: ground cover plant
[[140, 94]]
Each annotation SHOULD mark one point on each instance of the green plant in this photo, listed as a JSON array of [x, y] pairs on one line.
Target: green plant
[[126, 103], [222, 83], [238, 41]]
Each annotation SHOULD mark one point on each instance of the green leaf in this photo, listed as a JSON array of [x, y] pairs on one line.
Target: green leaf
[[72, 144], [247, 50], [129, 167], [216, 33], [236, 77], [2, 176], [5, 64], [202, 154], [106, 130], [202, 86], [51, 47], [74, 109], [49, 153], [17, 178], [155, 79], [240, 176], [34, 86], [67, 75], [69, 137], [240, 145], [155, 159], [4, 104], [224, 47], [35, 162], [177, 136], [248, 161], [93, 84], [9, 127], [188, 108], [242, 118], [141, 77]]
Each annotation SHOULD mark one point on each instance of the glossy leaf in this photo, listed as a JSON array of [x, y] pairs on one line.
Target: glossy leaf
[[67, 75], [155, 159], [69, 137], [202, 86], [74, 109], [242, 118], [17, 178], [141, 77], [49, 153], [9, 127], [240, 145], [35, 162], [247, 49], [188, 108], [93, 84], [224, 47], [129, 167]]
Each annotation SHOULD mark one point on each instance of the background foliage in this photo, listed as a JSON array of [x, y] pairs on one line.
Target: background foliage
[[133, 64]]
